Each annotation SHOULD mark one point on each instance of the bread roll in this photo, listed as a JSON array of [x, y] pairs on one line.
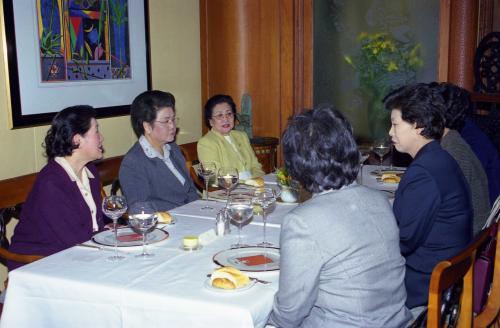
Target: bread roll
[[229, 278], [164, 217], [255, 182], [390, 178]]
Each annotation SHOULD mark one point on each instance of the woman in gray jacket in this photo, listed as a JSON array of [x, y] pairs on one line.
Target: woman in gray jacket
[[340, 260]]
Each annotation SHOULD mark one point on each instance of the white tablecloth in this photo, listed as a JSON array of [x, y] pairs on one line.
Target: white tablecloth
[[370, 180], [80, 288]]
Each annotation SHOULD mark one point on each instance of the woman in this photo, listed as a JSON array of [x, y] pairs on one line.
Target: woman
[[340, 262], [432, 203], [64, 206], [222, 144], [456, 102], [154, 170]]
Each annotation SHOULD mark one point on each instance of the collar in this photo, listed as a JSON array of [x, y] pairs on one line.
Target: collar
[[151, 152], [434, 144], [324, 192], [69, 170]]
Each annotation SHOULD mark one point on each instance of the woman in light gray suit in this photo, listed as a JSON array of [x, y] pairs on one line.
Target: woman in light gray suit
[[340, 260]]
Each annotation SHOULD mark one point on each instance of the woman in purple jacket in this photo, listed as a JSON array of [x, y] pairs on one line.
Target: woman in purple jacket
[[64, 205]]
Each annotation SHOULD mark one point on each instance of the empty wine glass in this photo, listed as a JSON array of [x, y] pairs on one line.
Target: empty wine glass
[[266, 199], [207, 171], [114, 207], [364, 154], [143, 219], [381, 147], [240, 210], [227, 178]]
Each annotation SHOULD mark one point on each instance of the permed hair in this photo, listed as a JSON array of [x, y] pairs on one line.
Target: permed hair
[[319, 149], [65, 125]]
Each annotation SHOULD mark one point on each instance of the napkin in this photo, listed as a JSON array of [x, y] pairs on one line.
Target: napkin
[[254, 260], [207, 237], [129, 237]]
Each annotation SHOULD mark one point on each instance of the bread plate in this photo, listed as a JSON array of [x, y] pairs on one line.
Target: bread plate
[[208, 285]]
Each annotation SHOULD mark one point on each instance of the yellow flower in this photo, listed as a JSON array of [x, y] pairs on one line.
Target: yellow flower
[[392, 66]]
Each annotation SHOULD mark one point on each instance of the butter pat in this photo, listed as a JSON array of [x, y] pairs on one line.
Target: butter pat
[[190, 241]]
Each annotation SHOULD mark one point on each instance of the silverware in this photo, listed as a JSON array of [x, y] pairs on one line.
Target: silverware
[[90, 246], [265, 282]]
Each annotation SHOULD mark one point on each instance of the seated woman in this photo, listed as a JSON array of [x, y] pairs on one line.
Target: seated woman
[[340, 262], [456, 102], [64, 206], [432, 203], [154, 170], [223, 145]]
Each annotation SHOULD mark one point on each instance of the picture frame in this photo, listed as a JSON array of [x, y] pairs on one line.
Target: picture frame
[[35, 99]]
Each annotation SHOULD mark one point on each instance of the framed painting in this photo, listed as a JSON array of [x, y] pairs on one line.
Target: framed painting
[[62, 53]]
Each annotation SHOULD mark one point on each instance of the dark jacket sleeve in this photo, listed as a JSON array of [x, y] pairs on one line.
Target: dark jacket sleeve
[[416, 204]]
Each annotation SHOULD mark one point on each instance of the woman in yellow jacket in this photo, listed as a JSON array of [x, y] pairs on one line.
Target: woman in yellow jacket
[[223, 145]]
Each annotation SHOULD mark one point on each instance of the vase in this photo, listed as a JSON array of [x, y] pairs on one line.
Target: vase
[[378, 117], [289, 194]]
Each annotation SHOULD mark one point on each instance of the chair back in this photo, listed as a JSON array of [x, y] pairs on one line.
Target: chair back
[[190, 153], [451, 288], [491, 311]]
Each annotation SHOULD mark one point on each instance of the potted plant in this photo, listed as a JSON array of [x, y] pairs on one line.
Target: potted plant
[[289, 187]]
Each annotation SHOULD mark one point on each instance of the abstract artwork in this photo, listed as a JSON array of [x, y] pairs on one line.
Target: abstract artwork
[[83, 40], [63, 53]]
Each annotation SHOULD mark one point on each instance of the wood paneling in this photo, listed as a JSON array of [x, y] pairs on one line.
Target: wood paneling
[[262, 48]]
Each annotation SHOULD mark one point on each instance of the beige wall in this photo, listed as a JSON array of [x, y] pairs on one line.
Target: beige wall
[[175, 67]]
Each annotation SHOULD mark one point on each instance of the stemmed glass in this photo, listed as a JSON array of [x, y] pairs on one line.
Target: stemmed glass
[[240, 210], [381, 147], [114, 207], [364, 154], [206, 170], [266, 199], [227, 178], [143, 219]]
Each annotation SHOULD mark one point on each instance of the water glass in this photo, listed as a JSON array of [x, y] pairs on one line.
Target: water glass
[[143, 219], [227, 178], [114, 207], [206, 170], [240, 211], [265, 198]]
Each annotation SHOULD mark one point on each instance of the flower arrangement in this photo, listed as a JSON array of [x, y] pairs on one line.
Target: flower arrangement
[[383, 63], [283, 177]]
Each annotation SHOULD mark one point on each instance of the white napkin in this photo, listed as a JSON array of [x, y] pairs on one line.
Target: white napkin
[[207, 237]]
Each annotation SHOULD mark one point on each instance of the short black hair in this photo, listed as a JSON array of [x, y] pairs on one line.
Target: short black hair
[[457, 103], [421, 104], [214, 101], [65, 125], [145, 108], [319, 149]]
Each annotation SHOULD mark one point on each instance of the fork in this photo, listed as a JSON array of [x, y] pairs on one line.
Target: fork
[[265, 282]]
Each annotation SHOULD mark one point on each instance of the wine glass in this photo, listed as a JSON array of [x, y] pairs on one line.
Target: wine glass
[[381, 147], [227, 178], [114, 207], [206, 170], [143, 219], [240, 210], [266, 199]]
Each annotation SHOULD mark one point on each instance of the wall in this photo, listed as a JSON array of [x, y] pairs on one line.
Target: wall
[[175, 62]]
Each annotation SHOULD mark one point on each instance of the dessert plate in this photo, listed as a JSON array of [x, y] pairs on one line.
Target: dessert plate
[[128, 238], [253, 258], [208, 285]]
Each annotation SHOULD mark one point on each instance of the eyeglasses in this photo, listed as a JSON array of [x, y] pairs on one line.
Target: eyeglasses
[[221, 116], [174, 120]]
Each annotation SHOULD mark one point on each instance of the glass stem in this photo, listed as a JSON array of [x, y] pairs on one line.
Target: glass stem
[[144, 245], [239, 235], [264, 220], [116, 235], [206, 188]]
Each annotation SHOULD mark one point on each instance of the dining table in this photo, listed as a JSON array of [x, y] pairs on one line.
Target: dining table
[[80, 287]]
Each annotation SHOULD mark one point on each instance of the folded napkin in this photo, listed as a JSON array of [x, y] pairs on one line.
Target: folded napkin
[[207, 237]]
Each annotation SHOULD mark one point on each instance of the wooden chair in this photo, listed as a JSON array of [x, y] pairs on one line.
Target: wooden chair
[[13, 192], [108, 173], [190, 153], [455, 274], [490, 316]]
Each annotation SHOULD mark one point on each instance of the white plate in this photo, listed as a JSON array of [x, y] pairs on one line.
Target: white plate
[[107, 238], [240, 257], [240, 191], [208, 285]]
